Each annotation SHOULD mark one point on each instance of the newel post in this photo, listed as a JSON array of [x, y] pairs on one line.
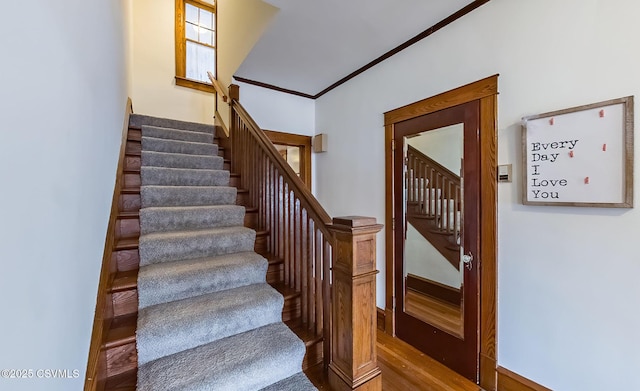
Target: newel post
[[354, 361]]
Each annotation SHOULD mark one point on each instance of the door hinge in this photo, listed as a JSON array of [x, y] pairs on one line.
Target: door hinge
[[393, 224], [393, 145], [393, 302]]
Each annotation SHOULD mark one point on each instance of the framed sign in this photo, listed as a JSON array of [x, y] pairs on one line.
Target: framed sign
[[582, 156]]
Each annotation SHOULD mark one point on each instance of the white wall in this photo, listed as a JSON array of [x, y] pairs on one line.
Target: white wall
[[154, 91], [568, 291], [273, 110], [240, 24], [62, 106], [444, 145]]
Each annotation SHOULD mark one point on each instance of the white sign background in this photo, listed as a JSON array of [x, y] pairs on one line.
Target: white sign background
[[554, 176]]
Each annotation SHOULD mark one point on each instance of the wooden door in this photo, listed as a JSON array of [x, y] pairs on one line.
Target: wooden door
[[436, 316]]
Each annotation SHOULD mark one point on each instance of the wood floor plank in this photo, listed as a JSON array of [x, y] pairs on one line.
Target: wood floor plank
[[405, 368]]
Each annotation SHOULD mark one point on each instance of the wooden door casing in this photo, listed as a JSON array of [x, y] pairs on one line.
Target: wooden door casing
[[485, 91]]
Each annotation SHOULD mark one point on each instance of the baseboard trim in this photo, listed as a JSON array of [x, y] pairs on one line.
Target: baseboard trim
[[434, 289], [96, 361], [488, 375], [380, 318], [511, 381]]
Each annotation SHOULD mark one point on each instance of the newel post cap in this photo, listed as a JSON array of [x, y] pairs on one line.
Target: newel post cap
[[356, 224]]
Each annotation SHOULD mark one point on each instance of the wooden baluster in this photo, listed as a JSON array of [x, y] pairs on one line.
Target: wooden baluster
[[304, 291], [456, 222], [285, 233], [262, 206], [280, 206], [318, 274], [326, 299], [272, 209], [312, 274], [290, 244], [297, 242], [354, 362], [445, 206], [431, 192], [421, 186], [409, 179], [251, 167], [438, 206]]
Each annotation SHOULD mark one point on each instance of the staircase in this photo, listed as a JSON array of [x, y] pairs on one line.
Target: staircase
[[434, 203], [198, 302]]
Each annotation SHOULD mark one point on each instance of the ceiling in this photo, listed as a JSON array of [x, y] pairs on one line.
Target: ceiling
[[311, 44]]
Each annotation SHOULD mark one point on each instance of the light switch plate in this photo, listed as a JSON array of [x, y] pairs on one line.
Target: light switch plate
[[504, 173]]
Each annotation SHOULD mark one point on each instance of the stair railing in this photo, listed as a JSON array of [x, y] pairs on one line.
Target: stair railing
[[298, 225], [321, 255], [434, 191]]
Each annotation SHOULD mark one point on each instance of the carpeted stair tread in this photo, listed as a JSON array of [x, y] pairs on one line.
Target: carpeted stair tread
[[174, 246], [175, 218], [187, 195], [181, 160], [163, 282], [169, 328], [164, 176], [206, 317], [138, 120], [297, 382], [177, 146], [176, 134], [248, 361]]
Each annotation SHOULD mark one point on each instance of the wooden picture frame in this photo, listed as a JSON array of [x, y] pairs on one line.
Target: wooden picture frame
[[581, 156]]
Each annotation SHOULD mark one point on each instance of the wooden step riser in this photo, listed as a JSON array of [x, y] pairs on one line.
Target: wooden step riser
[[234, 181], [132, 163], [133, 148], [126, 260], [134, 134], [132, 180], [313, 355], [261, 244], [121, 359], [243, 199], [291, 309], [129, 202], [275, 273], [251, 220], [127, 228], [125, 302]]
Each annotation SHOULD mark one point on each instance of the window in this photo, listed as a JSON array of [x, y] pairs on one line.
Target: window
[[195, 43]]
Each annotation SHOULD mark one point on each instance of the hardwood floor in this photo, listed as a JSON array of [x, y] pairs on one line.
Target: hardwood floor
[[405, 368]]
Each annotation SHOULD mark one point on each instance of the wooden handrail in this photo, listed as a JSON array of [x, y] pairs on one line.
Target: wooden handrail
[[305, 238], [435, 189], [219, 89], [308, 199], [442, 169]]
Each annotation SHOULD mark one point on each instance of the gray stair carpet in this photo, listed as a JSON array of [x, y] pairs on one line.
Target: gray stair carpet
[[207, 319]]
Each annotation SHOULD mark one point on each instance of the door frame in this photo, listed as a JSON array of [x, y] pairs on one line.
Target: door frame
[[295, 140], [486, 92]]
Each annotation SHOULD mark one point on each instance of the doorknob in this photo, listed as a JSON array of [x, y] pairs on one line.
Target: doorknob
[[467, 259]]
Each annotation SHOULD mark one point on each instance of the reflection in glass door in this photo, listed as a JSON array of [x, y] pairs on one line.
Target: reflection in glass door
[[433, 220]]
